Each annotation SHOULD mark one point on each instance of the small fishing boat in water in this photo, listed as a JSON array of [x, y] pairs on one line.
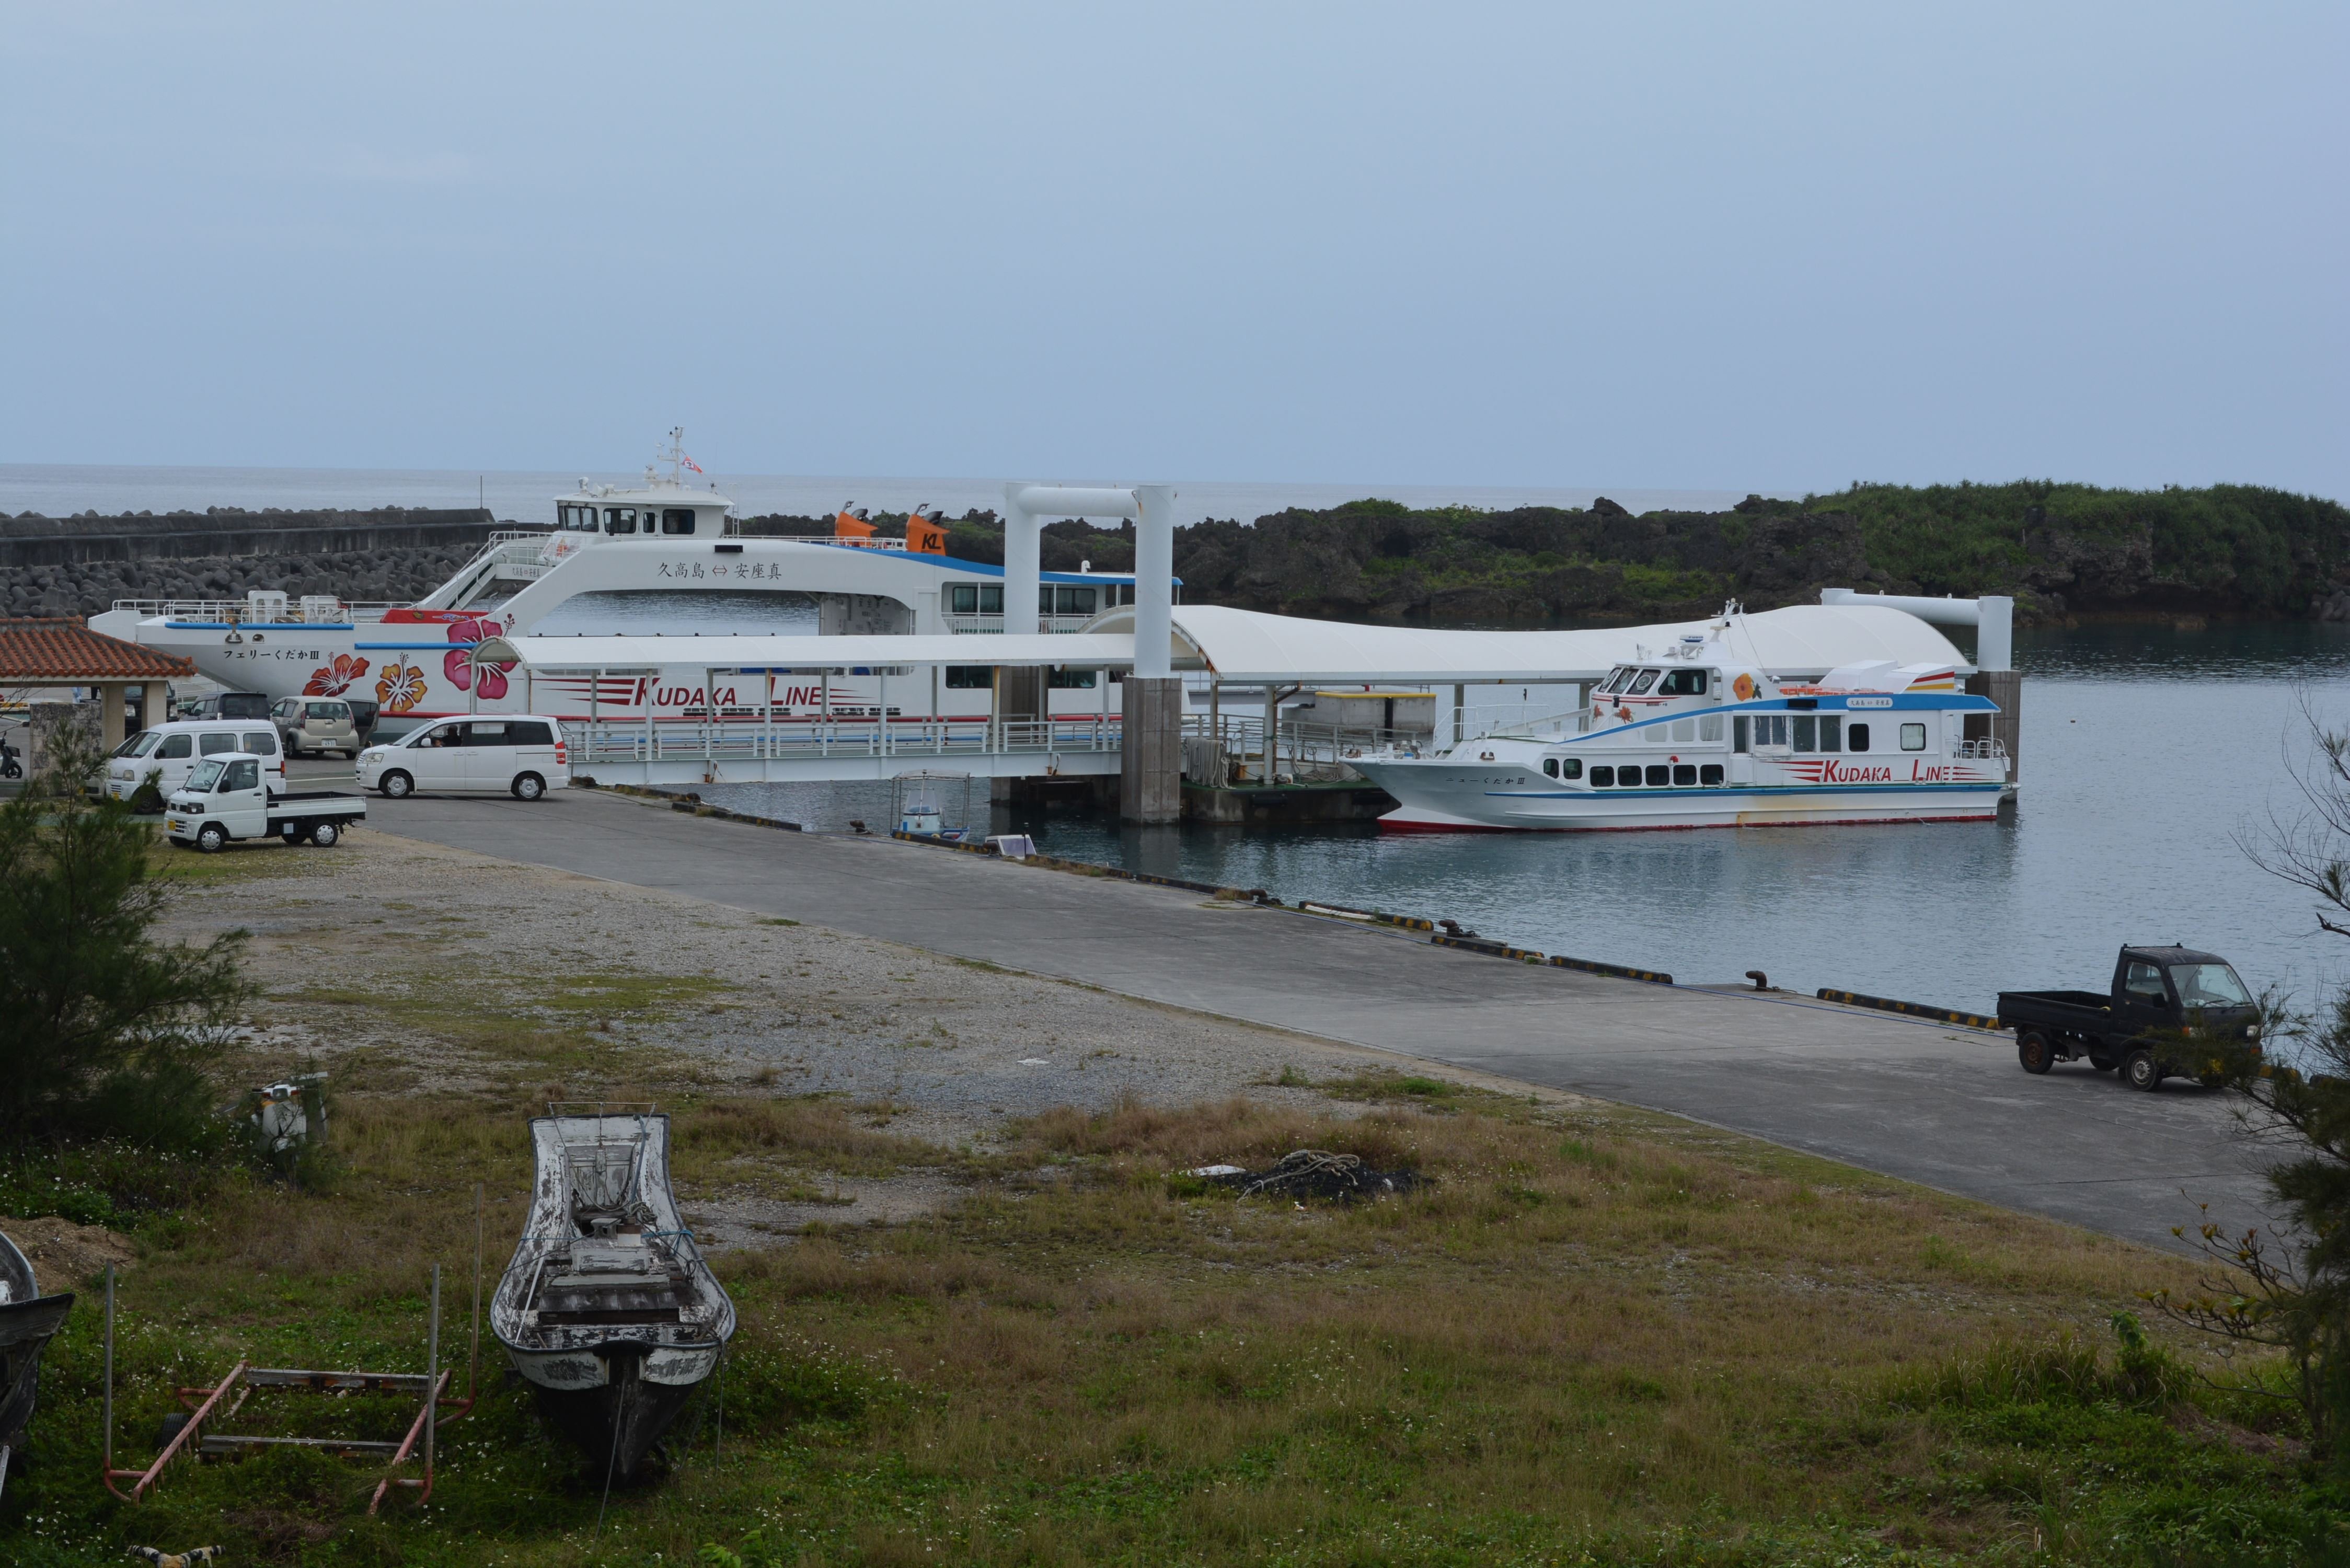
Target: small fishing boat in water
[[608, 1310], [28, 1321]]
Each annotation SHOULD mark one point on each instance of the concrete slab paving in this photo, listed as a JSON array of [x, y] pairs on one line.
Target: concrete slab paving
[[1945, 1107]]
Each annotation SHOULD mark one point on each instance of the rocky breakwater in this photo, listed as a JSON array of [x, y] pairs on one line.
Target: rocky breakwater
[[82, 565]]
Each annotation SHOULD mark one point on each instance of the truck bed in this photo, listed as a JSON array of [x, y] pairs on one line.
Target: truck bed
[[2064, 1009]]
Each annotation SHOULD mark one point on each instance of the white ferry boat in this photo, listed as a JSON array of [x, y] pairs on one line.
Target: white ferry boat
[[1695, 737], [664, 559]]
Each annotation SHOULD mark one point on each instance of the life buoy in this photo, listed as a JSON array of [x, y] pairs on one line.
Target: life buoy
[[1744, 687]]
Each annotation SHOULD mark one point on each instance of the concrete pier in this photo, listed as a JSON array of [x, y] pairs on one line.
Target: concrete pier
[[1151, 758], [1935, 1104]]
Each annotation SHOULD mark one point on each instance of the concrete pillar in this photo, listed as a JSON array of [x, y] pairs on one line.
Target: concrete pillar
[[1023, 532], [1151, 756], [1022, 692], [109, 711], [155, 708]]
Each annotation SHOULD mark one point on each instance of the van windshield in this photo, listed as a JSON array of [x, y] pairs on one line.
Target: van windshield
[[137, 745], [2208, 985], [207, 774]]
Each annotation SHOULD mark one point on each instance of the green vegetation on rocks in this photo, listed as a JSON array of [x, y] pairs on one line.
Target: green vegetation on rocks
[[2063, 550]]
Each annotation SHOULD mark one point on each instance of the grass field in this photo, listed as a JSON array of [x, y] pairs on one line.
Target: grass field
[[1600, 1336]]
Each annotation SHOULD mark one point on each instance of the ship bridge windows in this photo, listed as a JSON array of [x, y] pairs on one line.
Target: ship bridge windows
[[1642, 682], [673, 519], [571, 519], [1683, 683], [620, 519], [1614, 682]]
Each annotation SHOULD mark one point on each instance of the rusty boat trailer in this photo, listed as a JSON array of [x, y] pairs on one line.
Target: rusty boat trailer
[[210, 1406]]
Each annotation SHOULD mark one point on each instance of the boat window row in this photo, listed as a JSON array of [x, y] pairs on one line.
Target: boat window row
[[1052, 598], [625, 519], [1657, 776], [981, 678], [1797, 732], [1632, 681], [1700, 727]]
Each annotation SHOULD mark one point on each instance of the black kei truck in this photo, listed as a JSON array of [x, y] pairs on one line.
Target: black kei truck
[[2162, 999]]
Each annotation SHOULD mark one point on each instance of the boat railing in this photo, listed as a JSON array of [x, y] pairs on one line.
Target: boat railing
[[1477, 722], [1981, 751], [990, 625], [1224, 747], [243, 610], [746, 738]]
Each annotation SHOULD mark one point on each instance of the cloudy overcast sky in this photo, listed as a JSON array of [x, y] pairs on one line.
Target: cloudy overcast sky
[[1730, 246]]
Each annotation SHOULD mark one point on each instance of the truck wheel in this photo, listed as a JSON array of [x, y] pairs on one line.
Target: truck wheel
[[2032, 1049], [528, 786], [324, 834], [212, 837], [2101, 1062], [2140, 1071], [396, 785]]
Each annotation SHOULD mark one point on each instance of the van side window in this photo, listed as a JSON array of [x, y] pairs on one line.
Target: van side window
[[263, 744], [527, 732], [1913, 737], [480, 733], [1856, 737], [216, 745], [180, 746], [677, 519]]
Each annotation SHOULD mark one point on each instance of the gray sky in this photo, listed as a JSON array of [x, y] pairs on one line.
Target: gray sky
[[1730, 246]]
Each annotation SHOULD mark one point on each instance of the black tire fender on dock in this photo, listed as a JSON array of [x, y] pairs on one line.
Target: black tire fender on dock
[[2033, 1050], [2141, 1071]]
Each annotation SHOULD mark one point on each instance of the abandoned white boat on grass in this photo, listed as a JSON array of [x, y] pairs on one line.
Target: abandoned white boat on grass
[[608, 1310], [1693, 736]]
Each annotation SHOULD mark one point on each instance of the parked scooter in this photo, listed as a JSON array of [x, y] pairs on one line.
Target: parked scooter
[[11, 766]]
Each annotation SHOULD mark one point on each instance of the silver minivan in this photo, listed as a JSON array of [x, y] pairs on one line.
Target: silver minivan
[[318, 724], [170, 752], [521, 754]]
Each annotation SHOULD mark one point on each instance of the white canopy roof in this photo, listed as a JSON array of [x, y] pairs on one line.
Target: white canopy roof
[[1248, 647]]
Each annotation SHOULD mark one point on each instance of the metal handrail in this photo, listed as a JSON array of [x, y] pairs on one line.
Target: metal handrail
[[797, 739]]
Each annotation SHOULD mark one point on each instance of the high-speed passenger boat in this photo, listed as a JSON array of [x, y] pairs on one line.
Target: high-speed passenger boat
[[1689, 735], [663, 559]]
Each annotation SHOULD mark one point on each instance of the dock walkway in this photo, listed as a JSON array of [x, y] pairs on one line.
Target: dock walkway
[[1945, 1107]]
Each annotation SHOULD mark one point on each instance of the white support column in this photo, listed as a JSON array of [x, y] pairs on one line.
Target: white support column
[[1023, 563], [1154, 579]]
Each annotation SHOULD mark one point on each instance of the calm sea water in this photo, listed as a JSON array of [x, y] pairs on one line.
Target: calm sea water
[[2148, 754]]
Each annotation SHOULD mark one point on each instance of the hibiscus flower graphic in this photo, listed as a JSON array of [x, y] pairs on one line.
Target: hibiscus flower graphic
[[399, 688], [334, 677], [458, 663]]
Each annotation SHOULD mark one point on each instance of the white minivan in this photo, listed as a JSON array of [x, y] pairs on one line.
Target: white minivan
[[173, 750], [521, 754]]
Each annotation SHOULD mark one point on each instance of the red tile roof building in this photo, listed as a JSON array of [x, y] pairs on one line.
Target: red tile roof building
[[61, 650]]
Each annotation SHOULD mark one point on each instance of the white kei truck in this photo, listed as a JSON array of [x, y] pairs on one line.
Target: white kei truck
[[228, 798]]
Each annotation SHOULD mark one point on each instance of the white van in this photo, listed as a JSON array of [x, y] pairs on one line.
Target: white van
[[173, 750], [521, 754]]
